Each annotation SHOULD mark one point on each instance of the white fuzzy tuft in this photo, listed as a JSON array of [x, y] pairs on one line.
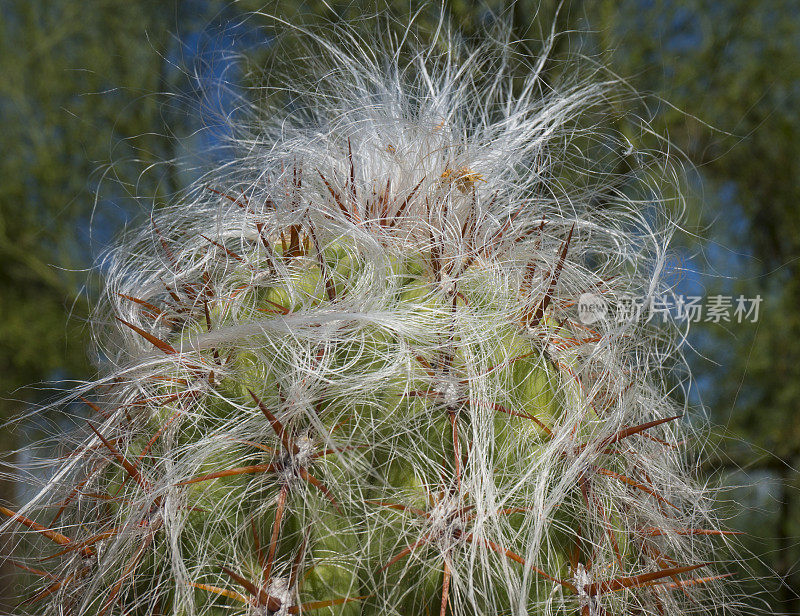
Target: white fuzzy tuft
[[345, 371]]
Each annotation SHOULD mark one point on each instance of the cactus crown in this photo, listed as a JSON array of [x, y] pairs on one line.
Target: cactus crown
[[344, 372]]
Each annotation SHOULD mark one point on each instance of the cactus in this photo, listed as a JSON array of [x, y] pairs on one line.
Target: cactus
[[344, 373]]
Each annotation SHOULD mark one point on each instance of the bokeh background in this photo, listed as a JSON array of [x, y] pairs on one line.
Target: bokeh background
[[110, 106]]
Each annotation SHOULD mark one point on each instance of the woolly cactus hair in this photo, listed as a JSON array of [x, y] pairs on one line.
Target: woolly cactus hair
[[344, 373]]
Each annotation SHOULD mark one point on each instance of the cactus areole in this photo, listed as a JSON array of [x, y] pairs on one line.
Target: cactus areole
[[344, 373]]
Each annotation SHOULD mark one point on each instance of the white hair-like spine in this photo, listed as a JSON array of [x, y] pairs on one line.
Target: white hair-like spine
[[344, 371]]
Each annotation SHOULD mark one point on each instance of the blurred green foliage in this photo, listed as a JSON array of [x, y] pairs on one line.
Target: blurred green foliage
[[97, 99]]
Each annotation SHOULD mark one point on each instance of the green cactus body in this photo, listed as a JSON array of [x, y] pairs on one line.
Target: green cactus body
[[369, 503]]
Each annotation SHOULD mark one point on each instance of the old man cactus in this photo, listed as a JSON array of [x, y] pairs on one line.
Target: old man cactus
[[345, 372]]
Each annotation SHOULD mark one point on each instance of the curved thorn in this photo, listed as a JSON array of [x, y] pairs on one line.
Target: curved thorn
[[112, 596], [516, 558], [221, 591], [404, 205], [218, 245], [405, 552], [276, 529], [634, 484], [54, 536], [141, 302], [445, 589], [34, 571], [156, 342], [534, 419], [638, 580], [260, 595], [693, 582], [298, 559], [84, 546], [320, 486], [243, 470], [626, 432], [277, 426], [398, 507], [54, 587], [129, 467], [155, 437]]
